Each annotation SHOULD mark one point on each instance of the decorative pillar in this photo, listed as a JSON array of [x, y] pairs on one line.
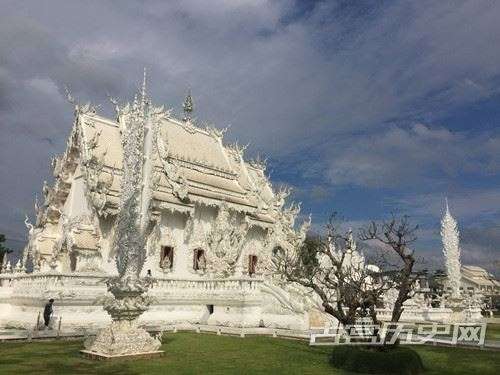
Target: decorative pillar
[[124, 337]]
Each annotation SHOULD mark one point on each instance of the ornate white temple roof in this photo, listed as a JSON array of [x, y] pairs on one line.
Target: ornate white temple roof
[[479, 276], [148, 161], [190, 164], [212, 170]]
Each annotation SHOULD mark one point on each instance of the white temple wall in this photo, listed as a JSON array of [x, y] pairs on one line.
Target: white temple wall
[[172, 233], [163, 315], [299, 321], [254, 245], [79, 298], [171, 229], [248, 316], [75, 205]]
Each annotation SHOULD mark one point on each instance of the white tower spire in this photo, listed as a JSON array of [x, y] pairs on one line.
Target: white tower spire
[[188, 106], [451, 250], [143, 90]]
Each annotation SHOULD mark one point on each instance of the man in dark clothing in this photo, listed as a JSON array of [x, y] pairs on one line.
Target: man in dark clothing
[[47, 312]]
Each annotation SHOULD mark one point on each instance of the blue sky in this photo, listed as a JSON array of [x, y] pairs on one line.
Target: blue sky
[[364, 107]]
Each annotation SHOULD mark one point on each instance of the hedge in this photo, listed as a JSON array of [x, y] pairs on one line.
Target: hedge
[[387, 360]]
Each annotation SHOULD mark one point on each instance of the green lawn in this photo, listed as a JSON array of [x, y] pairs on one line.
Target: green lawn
[[191, 353], [493, 331]]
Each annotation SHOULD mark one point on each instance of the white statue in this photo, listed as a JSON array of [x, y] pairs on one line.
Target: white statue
[[166, 264], [18, 268], [202, 263], [351, 243]]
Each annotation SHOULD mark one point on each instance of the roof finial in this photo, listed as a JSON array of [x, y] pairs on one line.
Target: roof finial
[[143, 90], [188, 106]]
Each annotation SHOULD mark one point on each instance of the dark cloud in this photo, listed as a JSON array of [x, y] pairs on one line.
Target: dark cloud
[[480, 246]]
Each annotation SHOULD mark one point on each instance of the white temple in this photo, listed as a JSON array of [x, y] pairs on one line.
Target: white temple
[[214, 222]]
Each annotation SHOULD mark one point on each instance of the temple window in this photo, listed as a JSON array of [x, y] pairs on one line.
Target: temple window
[[167, 257], [199, 262], [72, 261], [252, 264]]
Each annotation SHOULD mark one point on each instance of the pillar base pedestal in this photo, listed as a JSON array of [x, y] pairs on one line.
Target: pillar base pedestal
[[103, 356]]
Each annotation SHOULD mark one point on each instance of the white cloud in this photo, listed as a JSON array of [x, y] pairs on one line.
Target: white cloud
[[466, 205], [421, 154], [45, 86]]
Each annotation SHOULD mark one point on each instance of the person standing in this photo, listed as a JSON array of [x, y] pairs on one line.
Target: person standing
[[47, 312]]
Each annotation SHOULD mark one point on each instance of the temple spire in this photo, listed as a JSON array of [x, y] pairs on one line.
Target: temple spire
[[143, 90], [451, 250], [188, 106]]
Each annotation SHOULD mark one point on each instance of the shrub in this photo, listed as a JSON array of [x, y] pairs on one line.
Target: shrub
[[387, 360]]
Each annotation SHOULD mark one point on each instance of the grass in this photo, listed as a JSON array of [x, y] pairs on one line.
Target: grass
[[493, 331], [191, 353]]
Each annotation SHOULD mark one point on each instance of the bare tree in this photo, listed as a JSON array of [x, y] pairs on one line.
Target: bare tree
[[330, 266], [347, 287], [397, 236]]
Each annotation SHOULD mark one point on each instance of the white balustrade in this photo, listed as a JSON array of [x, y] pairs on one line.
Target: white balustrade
[[53, 280]]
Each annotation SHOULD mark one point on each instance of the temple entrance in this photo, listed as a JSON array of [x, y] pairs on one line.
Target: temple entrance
[[252, 264], [209, 311]]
